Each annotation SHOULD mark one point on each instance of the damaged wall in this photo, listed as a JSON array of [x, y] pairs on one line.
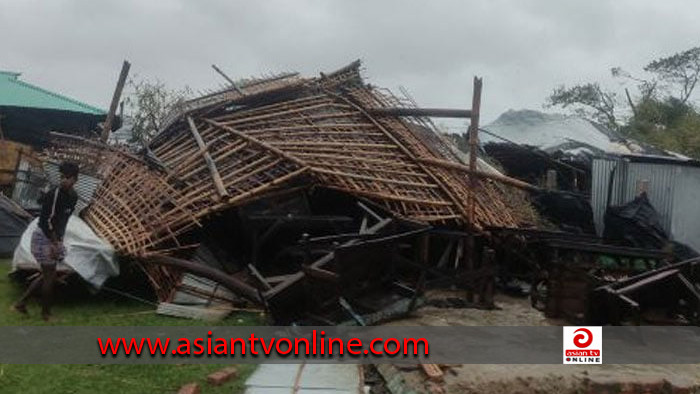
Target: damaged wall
[[673, 188]]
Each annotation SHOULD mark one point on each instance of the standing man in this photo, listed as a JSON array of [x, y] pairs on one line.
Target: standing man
[[47, 247]]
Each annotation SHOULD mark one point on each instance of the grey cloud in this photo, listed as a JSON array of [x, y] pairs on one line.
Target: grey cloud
[[434, 48]]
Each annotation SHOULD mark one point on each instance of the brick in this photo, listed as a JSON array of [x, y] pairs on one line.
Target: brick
[[189, 388], [222, 376]]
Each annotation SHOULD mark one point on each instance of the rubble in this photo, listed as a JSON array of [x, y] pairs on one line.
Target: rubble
[[329, 201], [324, 200], [13, 221]]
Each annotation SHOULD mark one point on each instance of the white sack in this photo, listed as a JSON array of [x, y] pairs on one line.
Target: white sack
[[86, 254]]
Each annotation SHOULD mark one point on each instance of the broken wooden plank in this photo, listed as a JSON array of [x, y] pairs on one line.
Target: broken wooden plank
[[320, 273], [433, 371], [647, 281], [259, 276], [320, 263]]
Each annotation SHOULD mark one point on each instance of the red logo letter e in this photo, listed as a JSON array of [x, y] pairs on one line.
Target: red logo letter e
[[580, 338]]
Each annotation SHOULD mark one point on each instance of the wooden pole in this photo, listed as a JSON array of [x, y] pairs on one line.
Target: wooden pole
[[474, 142], [115, 101], [418, 112], [473, 147], [480, 174], [229, 80]]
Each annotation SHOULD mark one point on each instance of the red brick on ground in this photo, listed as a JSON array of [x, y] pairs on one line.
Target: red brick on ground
[[220, 377], [189, 388]]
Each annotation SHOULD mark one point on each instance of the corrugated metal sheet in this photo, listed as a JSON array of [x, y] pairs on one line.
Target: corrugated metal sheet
[[28, 185], [674, 191], [17, 93], [685, 226], [85, 187], [601, 172]]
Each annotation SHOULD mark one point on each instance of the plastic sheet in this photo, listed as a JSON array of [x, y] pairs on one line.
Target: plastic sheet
[[86, 254]]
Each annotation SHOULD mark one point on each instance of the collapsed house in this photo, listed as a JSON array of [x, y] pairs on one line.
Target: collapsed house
[[307, 196], [671, 185], [625, 218], [528, 143], [328, 201]]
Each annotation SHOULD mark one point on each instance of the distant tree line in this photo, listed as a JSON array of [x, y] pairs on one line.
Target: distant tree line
[[657, 106]]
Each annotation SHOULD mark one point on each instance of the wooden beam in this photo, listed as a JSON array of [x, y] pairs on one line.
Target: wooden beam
[[115, 101], [230, 282], [496, 177], [320, 273], [233, 84], [207, 157], [422, 112], [474, 143], [320, 263], [259, 277]]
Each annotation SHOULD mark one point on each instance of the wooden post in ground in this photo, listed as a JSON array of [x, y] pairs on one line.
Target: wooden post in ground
[[474, 144], [473, 149], [115, 101], [488, 259]]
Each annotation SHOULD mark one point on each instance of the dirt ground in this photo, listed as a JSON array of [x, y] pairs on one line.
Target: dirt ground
[[524, 379]]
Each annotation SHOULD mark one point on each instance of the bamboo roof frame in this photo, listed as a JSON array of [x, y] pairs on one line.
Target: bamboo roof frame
[[237, 146]]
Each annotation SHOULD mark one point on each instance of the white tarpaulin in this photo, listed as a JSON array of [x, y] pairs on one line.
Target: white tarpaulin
[[86, 254]]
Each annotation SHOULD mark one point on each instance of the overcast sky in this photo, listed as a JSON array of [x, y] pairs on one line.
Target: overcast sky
[[522, 48]]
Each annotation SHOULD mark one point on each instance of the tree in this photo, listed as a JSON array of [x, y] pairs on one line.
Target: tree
[[681, 69], [587, 100], [647, 87], [149, 104], [662, 112]]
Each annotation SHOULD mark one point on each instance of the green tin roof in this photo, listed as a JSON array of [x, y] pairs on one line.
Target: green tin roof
[[16, 93]]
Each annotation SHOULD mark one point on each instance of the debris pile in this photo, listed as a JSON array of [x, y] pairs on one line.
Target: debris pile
[[302, 195], [326, 200]]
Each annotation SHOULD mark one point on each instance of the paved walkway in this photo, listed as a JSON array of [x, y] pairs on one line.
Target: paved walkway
[[306, 379]]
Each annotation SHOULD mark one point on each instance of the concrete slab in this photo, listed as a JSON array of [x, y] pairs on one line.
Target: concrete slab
[[314, 379]]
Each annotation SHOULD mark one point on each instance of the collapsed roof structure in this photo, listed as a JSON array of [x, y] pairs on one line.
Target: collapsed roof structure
[[328, 201], [527, 143], [278, 136]]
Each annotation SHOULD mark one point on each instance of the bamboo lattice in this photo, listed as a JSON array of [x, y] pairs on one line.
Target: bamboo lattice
[[232, 148]]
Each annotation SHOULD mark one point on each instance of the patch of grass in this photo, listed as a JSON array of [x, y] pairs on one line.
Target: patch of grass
[[115, 379], [105, 309]]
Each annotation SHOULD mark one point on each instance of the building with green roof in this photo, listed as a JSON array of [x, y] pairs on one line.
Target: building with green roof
[[28, 113]]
